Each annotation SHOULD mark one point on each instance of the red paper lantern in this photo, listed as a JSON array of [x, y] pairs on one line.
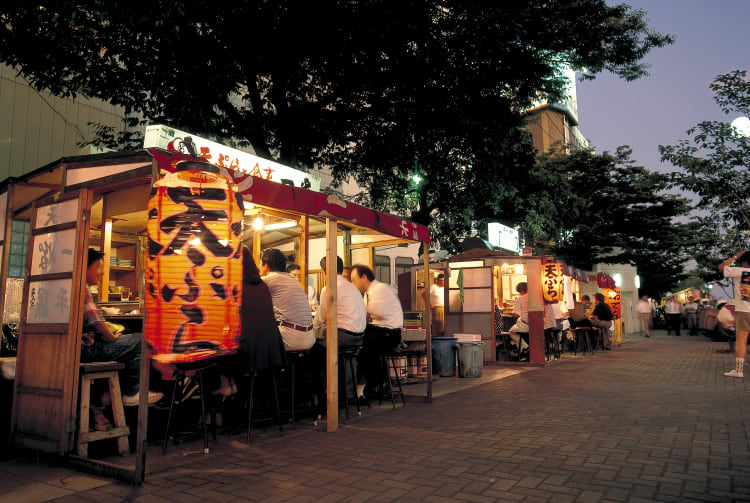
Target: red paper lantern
[[612, 297], [194, 266], [552, 281]]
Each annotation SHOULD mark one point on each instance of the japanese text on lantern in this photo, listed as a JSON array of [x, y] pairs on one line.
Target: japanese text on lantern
[[194, 265], [612, 297], [552, 281]]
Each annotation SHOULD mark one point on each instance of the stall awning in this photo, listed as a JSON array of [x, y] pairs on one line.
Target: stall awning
[[569, 270], [295, 199]]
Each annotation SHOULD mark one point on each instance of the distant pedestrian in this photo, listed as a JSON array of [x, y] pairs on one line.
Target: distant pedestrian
[[691, 314], [741, 277], [674, 316], [645, 315]]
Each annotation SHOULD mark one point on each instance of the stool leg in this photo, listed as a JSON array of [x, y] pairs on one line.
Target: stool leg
[[342, 386], [384, 360], [83, 417], [293, 384], [398, 383], [276, 395], [354, 384], [169, 416], [118, 413], [203, 411], [250, 407]]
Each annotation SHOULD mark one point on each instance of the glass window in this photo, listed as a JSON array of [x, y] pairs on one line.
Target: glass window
[[383, 268], [19, 244], [403, 264]]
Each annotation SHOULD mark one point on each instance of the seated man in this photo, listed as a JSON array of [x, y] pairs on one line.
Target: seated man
[[352, 315], [312, 297], [351, 322], [100, 344], [383, 331], [602, 318], [290, 305], [521, 311]]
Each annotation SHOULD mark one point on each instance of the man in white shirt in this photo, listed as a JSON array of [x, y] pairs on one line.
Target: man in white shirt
[[645, 314], [691, 315], [290, 306], [674, 316], [352, 316], [437, 302], [383, 332], [741, 277], [521, 310]]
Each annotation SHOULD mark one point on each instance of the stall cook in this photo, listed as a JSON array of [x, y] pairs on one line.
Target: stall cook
[[437, 302]]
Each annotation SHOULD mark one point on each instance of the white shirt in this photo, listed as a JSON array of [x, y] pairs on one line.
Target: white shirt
[[644, 307], [383, 306], [350, 306], [741, 277], [673, 307], [437, 295], [726, 318], [691, 308], [521, 308]]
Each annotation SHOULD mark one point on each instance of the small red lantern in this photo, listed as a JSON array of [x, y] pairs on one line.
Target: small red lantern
[[194, 266], [612, 297], [552, 281]]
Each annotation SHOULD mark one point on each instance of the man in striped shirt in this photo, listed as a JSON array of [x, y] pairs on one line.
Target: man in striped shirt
[[290, 305]]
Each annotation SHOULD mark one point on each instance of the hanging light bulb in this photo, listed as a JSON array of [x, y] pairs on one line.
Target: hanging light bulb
[[258, 224]]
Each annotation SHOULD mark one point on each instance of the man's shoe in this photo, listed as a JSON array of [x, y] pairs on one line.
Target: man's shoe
[[132, 400], [734, 373], [648, 335]]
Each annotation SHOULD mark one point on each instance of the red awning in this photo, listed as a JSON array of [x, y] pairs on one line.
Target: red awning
[[286, 197]]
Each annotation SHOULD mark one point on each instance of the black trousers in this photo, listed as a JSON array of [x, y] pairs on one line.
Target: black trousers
[[378, 341], [673, 323]]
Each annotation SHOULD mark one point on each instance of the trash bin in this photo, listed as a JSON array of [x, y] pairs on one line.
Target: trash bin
[[444, 356], [470, 357]]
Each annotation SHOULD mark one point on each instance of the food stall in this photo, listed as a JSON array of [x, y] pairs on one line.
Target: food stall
[[479, 280], [101, 201]]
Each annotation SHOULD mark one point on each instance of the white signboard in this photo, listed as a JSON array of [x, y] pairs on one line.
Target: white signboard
[[230, 158], [503, 237]]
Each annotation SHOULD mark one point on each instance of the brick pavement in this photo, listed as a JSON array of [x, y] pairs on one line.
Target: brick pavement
[[653, 420]]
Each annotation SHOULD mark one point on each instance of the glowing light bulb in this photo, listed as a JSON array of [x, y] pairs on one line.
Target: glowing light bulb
[[519, 268], [258, 224]]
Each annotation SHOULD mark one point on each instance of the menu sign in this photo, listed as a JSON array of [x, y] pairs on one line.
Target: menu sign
[[174, 140]]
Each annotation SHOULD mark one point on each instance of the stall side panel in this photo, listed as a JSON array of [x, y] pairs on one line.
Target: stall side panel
[[46, 386]]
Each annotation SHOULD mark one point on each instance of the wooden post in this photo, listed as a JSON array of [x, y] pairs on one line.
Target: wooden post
[[256, 247], [332, 343], [106, 249], [428, 319], [304, 250], [347, 248], [536, 310], [142, 426], [6, 248]]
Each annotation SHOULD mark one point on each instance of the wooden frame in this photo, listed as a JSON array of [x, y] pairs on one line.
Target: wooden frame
[[45, 396]]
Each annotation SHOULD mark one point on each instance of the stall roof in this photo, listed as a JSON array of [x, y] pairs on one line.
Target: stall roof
[[286, 197], [481, 253], [49, 179]]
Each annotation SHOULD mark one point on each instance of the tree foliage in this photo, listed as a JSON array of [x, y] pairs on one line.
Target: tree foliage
[[713, 164], [588, 208], [377, 90]]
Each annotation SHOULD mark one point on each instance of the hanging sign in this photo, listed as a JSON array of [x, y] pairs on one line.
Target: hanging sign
[[552, 281], [612, 297], [194, 265]]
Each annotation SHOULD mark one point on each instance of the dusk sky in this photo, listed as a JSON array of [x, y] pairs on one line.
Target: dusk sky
[[711, 38]]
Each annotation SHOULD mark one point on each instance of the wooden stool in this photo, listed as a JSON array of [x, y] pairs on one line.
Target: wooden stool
[[90, 372]]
